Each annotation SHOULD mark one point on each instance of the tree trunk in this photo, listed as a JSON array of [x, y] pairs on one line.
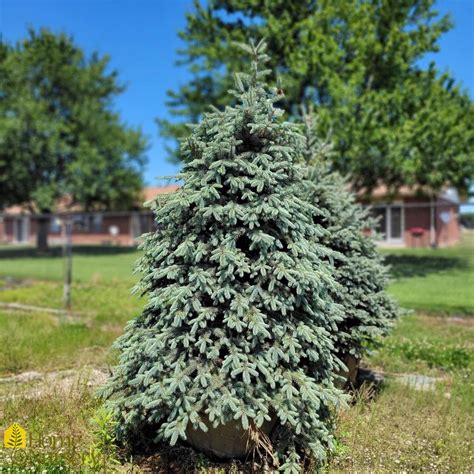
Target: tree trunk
[[42, 234], [350, 375]]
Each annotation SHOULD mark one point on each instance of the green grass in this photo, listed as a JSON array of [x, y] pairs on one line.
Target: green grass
[[426, 344], [57, 424], [395, 430], [435, 280], [438, 281], [89, 263], [403, 430], [101, 302], [41, 341]]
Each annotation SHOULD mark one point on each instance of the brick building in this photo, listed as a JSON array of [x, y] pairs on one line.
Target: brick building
[[19, 226], [408, 219], [415, 218]]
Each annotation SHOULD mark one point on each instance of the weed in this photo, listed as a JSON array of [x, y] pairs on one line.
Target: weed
[[102, 453], [435, 355]]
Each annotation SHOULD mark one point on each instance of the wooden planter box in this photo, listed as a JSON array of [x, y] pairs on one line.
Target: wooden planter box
[[350, 375], [226, 441]]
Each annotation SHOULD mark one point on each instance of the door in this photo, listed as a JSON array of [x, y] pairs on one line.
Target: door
[[21, 229], [395, 218]]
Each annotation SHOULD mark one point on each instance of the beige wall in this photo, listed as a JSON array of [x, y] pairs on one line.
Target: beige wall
[[447, 227], [121, 222]]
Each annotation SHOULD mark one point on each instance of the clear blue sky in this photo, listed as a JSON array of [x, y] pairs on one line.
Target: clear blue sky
[[141, 38]]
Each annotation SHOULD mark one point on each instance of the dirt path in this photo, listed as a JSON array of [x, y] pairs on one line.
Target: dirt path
[[33, 385]]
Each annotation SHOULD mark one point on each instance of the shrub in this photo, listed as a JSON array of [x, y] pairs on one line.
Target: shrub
[[467, 220]]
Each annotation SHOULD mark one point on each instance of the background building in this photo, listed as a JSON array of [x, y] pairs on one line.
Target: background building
[[408, 219]]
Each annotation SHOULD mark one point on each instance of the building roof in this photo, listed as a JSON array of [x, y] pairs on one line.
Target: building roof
[[63, 204], [380, 193], [450, 194], [150, 192], [383, 193]]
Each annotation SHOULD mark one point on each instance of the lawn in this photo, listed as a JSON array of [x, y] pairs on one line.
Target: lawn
[[90, 263], [397, 428], [438, 281]]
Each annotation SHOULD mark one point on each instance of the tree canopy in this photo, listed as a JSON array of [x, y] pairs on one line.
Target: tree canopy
[[59, 133], [358, 61]]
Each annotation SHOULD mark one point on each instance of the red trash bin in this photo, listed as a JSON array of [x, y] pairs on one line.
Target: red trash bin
[[417, 234]]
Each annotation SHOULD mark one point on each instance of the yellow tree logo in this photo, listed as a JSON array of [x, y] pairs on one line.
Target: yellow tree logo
[[14, 437]]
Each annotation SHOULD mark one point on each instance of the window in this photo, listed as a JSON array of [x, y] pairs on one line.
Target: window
[[97, 223], [395, 231], [390, 222], [142, 223], [89, 223], [55, 225], [79, 223]]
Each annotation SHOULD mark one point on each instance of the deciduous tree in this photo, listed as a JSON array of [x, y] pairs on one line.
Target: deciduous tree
[[358, 61], [59, 133]]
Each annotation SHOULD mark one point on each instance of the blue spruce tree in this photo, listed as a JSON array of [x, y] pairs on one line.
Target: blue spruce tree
[[369, 312], [239, 322]]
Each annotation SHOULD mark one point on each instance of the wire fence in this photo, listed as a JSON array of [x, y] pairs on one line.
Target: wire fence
[[396, 221]]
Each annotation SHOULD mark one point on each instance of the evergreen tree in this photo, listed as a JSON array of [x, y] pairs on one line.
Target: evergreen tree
[[369, 312], [239, 319]]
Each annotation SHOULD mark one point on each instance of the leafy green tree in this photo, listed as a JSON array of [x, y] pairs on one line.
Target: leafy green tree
[[239, 320], [59, 134], [358, 62], [369, 312]]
